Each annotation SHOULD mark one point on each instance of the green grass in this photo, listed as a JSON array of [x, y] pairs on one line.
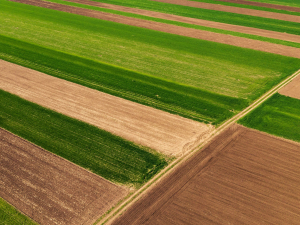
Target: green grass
[[279, 115], [254, 37], [250, 6], [104, 154], [10, 216], [294, 3], [212, 15]]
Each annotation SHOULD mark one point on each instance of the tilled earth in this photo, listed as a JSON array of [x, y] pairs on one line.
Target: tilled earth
[[242, 177], [50, 189]]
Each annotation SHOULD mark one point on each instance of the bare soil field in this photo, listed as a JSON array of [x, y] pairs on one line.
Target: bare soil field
[[49, 189], [188, 32], [242, 177], [206, 23], [292, 89], [267, 5], [170, 134], [232, 9]]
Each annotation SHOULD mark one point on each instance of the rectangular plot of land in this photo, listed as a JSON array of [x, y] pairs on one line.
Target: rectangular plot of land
[[292, 89], [242, 177], [50, 189]]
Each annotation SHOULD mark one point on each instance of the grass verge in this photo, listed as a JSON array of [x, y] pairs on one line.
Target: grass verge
[[100, 152], [279, 115], [11, 216]]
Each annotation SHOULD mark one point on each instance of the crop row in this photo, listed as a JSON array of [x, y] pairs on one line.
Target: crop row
[[280, 115]]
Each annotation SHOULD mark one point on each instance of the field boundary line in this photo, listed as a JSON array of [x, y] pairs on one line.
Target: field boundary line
[[109, 218]]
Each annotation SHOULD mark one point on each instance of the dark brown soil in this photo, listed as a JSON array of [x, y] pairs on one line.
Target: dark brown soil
[[232, 9], [50, 189], [267, 5], [188, 32], [206, 23], [242, 177]]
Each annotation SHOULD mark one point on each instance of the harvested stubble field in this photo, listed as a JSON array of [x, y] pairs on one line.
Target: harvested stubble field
[[169, 134], [242, 177], [160, 80], [50, 189], [292, 89], [279, 115]]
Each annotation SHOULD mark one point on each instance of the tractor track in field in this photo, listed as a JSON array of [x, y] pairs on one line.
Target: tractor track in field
[[183, 31], [155, 181]]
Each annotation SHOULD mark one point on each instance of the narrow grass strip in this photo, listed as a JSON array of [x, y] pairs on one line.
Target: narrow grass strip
[[105, 154], [279, 115], [250, 6], [11, 216], [181, 24]]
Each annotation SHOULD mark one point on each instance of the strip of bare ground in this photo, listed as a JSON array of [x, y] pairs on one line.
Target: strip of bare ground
[[232, 9], [170, 134], [242, 177], [292, 89], [261, 4], [49, 189], [206, 23], [183, 31]]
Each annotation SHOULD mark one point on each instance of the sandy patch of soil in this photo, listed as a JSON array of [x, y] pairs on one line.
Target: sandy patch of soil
[[183, 31], [242, 177], [232, 9], [267, 5], [49, 189], [206, 23], [162, 131], [292, 89]]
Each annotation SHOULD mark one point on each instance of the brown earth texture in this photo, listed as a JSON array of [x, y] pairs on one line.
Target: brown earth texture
[[242, 177], [292, 89], [49, 189], [168, 28]]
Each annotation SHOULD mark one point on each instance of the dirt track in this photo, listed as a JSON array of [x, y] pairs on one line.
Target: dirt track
[[231, 9], [267, 5], [292, 89], [206, 23], [49, 189], [188, 32], [144, 125], [242, 177]]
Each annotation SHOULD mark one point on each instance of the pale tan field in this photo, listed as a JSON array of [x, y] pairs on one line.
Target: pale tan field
[[292, 89]]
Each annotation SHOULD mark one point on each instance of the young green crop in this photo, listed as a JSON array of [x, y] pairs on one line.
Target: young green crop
[[10, 216], [105, 154], [279, 115]]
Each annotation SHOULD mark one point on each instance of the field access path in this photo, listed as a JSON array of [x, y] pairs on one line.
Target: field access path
[[261, 4], [250, 178], [199, 22], [168, 28], [232, 9], [167, 133], [50, 189]]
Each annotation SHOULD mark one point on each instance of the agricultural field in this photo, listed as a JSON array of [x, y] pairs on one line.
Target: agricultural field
[[124, 112], [242, 177]]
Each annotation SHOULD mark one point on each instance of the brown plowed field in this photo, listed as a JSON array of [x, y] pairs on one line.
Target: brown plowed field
[[206, 23], [188, 32], [267, 5], [165, 132], [292, 89], [232, 9], [242, 177], [49, 189]]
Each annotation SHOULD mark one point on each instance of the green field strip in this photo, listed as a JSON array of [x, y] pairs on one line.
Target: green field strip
[[215, 30], [279, 115], [11, 216], [293, 3], [249, 6], [212, 15], [100, 152]]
